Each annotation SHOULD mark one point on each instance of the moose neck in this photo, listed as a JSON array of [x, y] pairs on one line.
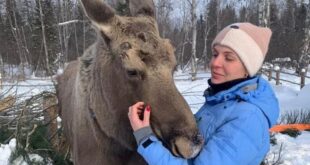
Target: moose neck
[[107, 112]]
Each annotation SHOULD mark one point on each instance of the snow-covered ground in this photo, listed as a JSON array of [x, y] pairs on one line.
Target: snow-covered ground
[[5, 153], [295, 151], [27, 88]]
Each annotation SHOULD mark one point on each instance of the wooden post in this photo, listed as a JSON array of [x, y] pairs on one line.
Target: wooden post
[[278, 77], [302, 78], [269, 74]]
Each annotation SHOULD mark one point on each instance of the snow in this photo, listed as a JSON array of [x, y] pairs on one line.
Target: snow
[[28, 88], [295, 151], [68, 22], [6, 151], [277, 68], [291, 99]]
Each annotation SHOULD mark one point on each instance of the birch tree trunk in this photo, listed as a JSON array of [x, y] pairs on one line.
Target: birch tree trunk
[[267, 20], [206, 34], [25, 47], [264, 13], [205, 49], [184, 43], [247, 11], [261, 12], [65, 30], [44, 39], [59, 19], [64, 16], [194, 33]]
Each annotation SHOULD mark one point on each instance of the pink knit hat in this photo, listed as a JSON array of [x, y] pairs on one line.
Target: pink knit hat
[[250, 42]]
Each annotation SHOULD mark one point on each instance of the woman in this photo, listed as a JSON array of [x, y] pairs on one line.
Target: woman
[[240, 106]]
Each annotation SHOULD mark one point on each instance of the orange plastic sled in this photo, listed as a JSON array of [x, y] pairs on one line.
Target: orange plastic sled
[[281, 128]]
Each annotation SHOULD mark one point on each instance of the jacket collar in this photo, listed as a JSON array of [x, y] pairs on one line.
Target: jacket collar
[[241, 90], [215, 88]]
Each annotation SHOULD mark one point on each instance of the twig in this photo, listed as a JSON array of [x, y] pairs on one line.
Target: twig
[[28, 136]]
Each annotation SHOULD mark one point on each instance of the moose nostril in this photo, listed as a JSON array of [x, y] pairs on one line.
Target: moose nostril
[[198, 139]]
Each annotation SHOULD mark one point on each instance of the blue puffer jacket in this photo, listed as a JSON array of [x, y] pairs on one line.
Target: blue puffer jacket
[[235, 125]]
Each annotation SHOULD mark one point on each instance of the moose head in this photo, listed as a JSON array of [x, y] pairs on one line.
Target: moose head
[[129, 62]]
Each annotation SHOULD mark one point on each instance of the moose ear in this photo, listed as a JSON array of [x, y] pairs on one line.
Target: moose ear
[[142, 7], [101, 15], [98, 11]]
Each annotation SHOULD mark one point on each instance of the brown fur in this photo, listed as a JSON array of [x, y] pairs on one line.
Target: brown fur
[[129, 62]]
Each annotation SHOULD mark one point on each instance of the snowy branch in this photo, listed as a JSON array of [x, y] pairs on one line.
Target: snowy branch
[[69, 22]]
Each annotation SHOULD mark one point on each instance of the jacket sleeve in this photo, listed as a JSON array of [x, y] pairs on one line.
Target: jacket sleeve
[[156, 154], [238, 141]]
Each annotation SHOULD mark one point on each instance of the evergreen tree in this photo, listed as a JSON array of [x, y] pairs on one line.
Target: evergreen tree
[[200, 37], [253, 12], [304, 56], [300, 26], [212, 23], [50, 30], [123, 8], [276, 46], [82, 35], [288, 35], [242, 15], [228, 16], [27, 22]]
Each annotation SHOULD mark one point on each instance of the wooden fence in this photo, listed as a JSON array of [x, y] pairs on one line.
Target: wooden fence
[[278, 79]]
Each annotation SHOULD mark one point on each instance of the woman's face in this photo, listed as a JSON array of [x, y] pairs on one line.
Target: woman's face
[[225, 65]]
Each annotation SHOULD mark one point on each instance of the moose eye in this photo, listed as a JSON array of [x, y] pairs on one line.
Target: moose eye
[[132, 73], [135, 74], [125, 46], [142, 36]]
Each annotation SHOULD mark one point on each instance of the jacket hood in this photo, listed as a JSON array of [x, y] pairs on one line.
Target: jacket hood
[[256, 91]]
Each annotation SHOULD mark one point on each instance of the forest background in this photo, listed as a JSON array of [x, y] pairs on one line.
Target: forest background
[[42, 35], [38, 38]]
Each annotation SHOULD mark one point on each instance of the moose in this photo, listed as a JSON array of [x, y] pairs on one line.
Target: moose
[[129, 62]]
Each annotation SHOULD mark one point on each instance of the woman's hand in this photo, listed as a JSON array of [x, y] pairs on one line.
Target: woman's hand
[[135, 111]]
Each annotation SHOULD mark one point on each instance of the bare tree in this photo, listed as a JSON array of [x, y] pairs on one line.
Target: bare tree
[[185, 27], [16, 31], [163, 12], [44, 38], [194, 36], [207, 29]]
